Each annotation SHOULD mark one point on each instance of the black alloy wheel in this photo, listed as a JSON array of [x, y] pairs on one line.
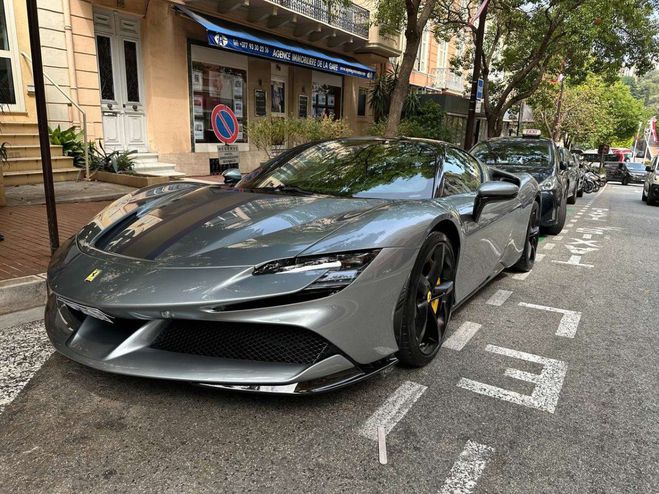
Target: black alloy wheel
[[527, 260], [427, 301]]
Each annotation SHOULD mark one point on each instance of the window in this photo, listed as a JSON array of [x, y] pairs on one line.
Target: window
[[11, 95], [361, 102], [461, 173], [104, 51], [213, 85], [326, 101], [278, 97], [442, 52], [421, 63]]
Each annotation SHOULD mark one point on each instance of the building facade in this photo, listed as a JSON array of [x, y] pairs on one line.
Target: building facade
[[148, 73]]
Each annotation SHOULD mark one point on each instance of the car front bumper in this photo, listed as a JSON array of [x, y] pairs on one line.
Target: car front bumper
[[351, 331]]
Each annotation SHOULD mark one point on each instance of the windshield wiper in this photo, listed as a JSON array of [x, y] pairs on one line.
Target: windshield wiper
[[286, 188]]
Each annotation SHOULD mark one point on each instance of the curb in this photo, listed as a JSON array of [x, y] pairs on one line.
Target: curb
[[22, 293]]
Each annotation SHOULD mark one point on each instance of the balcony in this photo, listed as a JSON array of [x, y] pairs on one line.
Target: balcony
[[446, 79], [352, 19]]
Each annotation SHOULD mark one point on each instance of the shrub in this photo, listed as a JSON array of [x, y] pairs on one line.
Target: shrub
[[113, 162], [427, 121], [71, 142]]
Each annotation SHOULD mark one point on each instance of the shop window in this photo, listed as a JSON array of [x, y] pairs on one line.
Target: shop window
[[326, 101], [278, 98], [10, 83], [361, 101], [213, 85]]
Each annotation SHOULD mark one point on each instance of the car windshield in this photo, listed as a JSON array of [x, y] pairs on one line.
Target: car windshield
[[524, 154], [396, 169], [637, 167]]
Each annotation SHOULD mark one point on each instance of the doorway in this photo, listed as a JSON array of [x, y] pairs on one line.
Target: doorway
[[119, 56]]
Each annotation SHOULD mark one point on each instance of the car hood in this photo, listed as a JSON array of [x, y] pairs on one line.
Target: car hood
[[539, 173], [197, 226]]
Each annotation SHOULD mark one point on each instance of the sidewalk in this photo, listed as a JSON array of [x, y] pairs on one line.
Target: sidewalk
[[26, 249]]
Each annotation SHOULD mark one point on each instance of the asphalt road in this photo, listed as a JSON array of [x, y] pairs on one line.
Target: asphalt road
[[579, 413]]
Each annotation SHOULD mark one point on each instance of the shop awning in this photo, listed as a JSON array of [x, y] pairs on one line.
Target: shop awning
[[229, 36]]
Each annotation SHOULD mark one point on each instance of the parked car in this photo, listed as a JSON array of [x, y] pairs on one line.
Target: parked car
[[573, 174], [651, 184], [636, 172], [329, 263], [542, 159]]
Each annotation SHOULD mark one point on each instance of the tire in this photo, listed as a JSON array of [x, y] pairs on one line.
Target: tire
[[580, 191], [527, 260], [644, 197], [625, 181], [573, 198], [588, 187], [419, 337], [562, 214]]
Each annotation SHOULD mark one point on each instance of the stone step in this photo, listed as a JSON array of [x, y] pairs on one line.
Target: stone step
[[36, 177], [28, 164], [160, 173], [32, 151], [19, 139], [19, 128]]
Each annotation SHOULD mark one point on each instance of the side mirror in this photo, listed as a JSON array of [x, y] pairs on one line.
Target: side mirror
[[563, 166], [648, 168], [491, 192], [232, 176]]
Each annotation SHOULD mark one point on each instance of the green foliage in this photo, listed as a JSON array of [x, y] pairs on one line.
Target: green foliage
[[269, 134], [71, 142], [593, 112], [113, 162], [379, 96], [427, 122], [646, 89]]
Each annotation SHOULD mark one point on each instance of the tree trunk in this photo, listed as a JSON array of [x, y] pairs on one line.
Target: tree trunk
[[494, 124], [401, 88]]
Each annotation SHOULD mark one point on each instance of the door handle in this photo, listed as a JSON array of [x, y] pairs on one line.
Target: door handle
[[109, 106], [134, 107]]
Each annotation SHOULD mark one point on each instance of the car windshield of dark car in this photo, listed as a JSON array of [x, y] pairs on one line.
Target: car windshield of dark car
[[355, 168], [635, 167], [525, 155]]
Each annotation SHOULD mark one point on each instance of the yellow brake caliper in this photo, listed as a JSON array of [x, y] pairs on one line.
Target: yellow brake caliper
[[435, 303]]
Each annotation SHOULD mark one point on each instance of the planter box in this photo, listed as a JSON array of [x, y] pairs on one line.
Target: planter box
[[138, 181]]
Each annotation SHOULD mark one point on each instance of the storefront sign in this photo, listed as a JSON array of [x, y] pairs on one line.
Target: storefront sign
[[225, 124], [222, 34], [303, 105], [228, 156], [259, 102]]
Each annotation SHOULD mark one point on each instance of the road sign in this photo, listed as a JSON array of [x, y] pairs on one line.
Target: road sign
[[479, 90], [228, 155], [225, 124]]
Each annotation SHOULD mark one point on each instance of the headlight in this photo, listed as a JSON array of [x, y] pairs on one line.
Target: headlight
[[549, 184], [341, 269], [656, 178]]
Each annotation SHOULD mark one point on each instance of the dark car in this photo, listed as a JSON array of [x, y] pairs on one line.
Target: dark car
[[542, 159], [573, 174], [636, 172], [651, 184]]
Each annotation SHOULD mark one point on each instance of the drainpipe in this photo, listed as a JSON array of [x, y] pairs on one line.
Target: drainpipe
[[70, 58]]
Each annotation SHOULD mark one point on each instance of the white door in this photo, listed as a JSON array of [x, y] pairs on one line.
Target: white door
[[119, 58]]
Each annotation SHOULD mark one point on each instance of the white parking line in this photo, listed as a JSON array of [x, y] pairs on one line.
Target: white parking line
[[392, 410], [560, 237], [520, 276], [461, 337], [569, 322], [467, 469], [539, 257], [548, 383], [587, 236], [574, 261], [548, 246], [499, 297]]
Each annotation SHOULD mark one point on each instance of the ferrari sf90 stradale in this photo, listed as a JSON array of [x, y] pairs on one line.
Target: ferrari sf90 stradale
[[327, 264]]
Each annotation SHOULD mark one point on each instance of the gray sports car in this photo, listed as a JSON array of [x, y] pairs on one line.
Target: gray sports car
[[327, 264]]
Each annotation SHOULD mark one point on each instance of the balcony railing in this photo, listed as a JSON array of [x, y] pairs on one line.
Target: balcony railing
[[353, 18], [444, 78]]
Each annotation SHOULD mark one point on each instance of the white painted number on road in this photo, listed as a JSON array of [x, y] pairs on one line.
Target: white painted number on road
[[392, 410], [569, 322], [467, 469], [548, 383]]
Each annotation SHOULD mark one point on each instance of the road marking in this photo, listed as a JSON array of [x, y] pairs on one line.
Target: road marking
[[587, 236], [548, 383], [565, 230], [24, 348], [461, 337], [467, 469], [382, 446], [548, 246], [569, 322], [574, 261], [560, 237], [392, 410], [520, 276], [539, 257], [499, 297]]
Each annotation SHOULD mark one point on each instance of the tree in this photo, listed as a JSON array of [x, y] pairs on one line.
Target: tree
[[528, 40]]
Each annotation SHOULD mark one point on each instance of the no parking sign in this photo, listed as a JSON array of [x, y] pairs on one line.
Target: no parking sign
[[225, 124]]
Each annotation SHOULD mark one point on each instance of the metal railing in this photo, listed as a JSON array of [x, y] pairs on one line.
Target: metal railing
[[353, 18], [445, 78], [82, 112]]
